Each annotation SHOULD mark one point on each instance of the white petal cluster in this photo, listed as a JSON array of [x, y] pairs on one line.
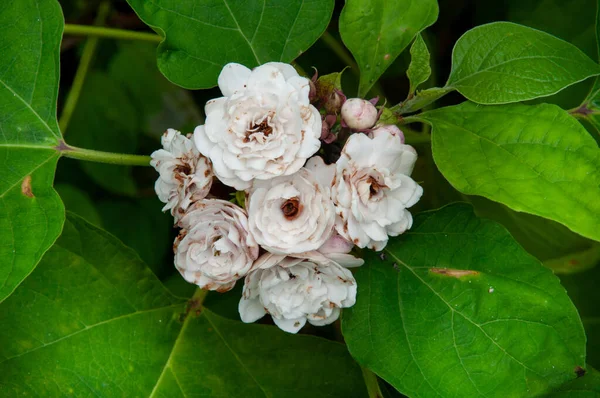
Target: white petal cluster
[[292, 242], [298, 289], [214, 248], [293, 214], [373, 188], [185, 176], [263, 127]]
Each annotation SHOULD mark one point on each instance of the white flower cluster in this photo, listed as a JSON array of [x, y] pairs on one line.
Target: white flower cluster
[[302, 217]]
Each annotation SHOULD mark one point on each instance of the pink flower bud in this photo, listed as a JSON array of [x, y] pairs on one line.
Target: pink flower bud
[[359, 114]]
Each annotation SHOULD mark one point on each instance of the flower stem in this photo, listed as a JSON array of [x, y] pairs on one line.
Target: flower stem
[[103, 157], [110, 33], [84, 65]]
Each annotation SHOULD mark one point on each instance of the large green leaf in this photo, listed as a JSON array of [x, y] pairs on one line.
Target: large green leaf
[[536, 159], [456, 308], [31, 213], [504, 62], [201, 36], [94, 320], [377, 31]]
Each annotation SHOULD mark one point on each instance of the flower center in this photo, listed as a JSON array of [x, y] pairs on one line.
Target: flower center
[[374, 186], [183, 168], [264, 128], [291, 208]]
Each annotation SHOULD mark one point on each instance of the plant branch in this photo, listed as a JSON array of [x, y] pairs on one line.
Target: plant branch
[[102, 157], [89, 50], [110, 33]]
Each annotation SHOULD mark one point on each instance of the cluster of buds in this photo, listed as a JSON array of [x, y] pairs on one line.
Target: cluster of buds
[[291, 241]]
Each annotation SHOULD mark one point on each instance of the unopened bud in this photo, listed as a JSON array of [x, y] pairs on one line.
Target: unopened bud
[[359, 114]]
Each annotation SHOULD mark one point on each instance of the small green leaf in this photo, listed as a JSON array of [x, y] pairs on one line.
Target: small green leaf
[[587, 386], [536, 159], [377, 31], [455, 297], [202, 36], [31, 212], [421, 100], [419, 69], [92, 319], [504, 62]]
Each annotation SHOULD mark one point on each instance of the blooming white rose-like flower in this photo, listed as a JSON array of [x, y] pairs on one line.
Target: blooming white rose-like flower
[[296, 290], [373, 189], [185, 176], [263, 127], [359, 114], [293, 214], [214, 249]]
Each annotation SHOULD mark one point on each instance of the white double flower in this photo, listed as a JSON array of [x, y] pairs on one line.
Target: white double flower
[[263, 127]]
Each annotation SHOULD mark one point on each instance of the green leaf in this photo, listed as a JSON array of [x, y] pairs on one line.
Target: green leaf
[[419, 69], [535, 159], [106, 120], [587, 386], [78, 202], [202, 36], [377, 31], [456, 307], [421, 100], [504, 62], [94, 320], [31, 212]]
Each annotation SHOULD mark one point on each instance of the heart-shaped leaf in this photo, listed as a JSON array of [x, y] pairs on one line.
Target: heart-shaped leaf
[[456, 307], [536, 159], [92, 319], [503, 62], [377, 31], [31, 212], [202, 36]]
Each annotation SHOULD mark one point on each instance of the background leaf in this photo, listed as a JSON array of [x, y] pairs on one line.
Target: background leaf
[[536, 159], [202, 36], [454, 298], [503, 62], [101, 323], [78, 202], [377, 31], [419, 69], [31, 213]]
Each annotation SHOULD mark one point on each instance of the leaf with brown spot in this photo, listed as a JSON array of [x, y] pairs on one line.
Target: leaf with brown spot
[[30, 134], [454, 273], [454, 297]]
